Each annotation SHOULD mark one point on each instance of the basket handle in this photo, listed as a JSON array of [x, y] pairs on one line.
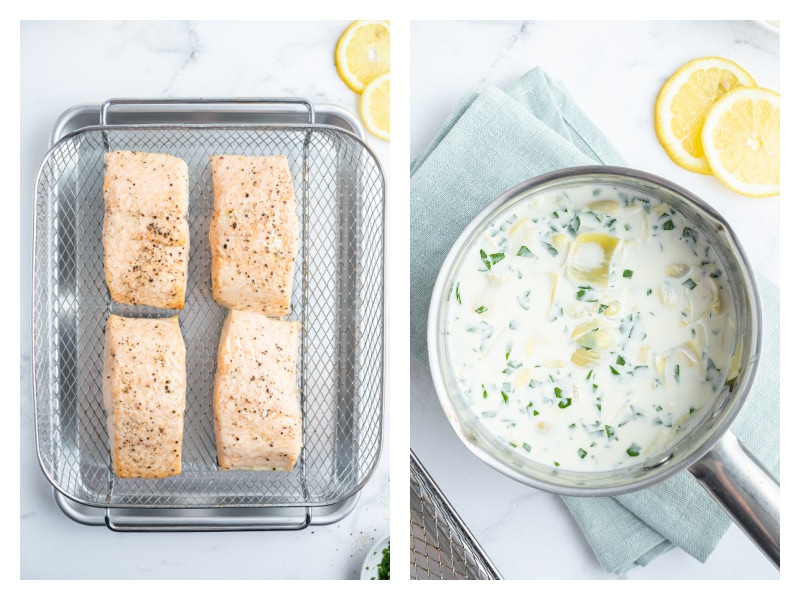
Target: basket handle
[[193, 519], [104, 109]]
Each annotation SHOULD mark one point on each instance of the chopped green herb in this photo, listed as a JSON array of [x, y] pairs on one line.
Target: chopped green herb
[[574, 226], [668, 225], [550, 249], [613, 370], [713, 374], [633, 450], [491, 259], [690, 284], [627, 273], [525, 252], [620, 360], [582, 453], [565, 402], [383, 566], [525, 300], [526, 446], [481, 309]]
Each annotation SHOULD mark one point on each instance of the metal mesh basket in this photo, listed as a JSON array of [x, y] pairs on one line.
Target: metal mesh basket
[[441, 545], [337, 296]]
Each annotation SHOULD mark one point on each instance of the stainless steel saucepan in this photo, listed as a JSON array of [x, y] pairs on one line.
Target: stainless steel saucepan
[[735, 479]]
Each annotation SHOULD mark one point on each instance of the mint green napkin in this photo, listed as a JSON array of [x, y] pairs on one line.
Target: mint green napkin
[[494, 140]]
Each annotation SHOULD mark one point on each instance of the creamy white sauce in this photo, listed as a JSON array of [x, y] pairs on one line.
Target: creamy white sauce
[[588, 330]]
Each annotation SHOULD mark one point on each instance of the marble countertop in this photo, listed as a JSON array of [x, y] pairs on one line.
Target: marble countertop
[[67, 63], [614, 71]]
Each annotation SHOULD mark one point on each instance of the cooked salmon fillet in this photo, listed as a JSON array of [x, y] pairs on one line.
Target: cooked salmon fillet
[[144, 395], [146, 228], [257, 418], [253, 233]]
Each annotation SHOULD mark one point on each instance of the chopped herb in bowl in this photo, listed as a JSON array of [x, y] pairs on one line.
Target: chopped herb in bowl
[[383, 566]]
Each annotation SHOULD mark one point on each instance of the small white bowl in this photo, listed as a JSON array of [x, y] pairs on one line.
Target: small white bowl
[[369, 568]]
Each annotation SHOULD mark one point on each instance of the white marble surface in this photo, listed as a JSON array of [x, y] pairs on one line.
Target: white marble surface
[[68, 63], [614, 71]]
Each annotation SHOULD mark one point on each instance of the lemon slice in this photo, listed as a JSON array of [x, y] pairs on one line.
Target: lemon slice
[[375, 106], [742, 141], [362, 53], [684, 101]]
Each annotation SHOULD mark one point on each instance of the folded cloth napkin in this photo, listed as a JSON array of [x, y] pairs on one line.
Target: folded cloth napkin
[[494, 140]]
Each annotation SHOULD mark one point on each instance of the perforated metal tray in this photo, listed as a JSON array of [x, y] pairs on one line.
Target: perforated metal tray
[[337, 296]]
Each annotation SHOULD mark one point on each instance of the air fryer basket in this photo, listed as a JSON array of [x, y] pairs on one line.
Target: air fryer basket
[[441, 545], [337, 296]]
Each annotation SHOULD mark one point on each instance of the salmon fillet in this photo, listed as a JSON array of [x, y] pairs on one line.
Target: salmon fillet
[[146, 228], [253, 233], [257, 417], [144, 395]]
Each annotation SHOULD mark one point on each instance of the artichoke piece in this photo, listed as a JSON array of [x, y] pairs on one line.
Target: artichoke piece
[[644, 354], [667, 295], [554, 364], [583, 357], [593, 335], [609, 207], [661, 209], [687, 356], [636, 218], [678, 269], [736, 362], [609, 309], [661, 366], [716, 299], [589, 259], [522, 378], [560, 241]]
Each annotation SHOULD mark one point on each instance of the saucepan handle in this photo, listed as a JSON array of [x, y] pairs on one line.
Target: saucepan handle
[[747, 492]]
